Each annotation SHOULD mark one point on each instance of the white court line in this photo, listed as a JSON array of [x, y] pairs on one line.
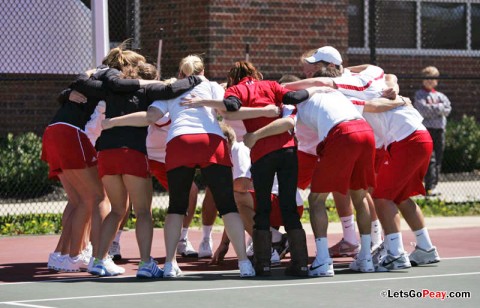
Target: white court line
[[236, 288], [184, 273], [26, 305]]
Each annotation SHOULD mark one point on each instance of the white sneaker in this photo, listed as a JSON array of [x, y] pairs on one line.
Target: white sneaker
[[53, 260], [421, 256], [246, 269], [186, 250], [250, 250], [275, 259], [114, 251], [149, 270], [390, 262], [171, 270], [321, 268], [60, 262], [88, 250], [75, 264], [106, 267], [206, 248], [363, 265], [90, 264]]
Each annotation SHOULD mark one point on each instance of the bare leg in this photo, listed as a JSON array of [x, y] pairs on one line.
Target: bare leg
[[412, 214], [388, 214], [63, 245], [86, 184], [140, 194], [98, 215], [245, 206], [173, 225], [236, 233], [117, 193], [361, 207], [318, 214]]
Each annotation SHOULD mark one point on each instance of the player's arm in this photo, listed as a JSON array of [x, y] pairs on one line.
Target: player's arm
[[310, 82], [383, 104], [137, 119], [244, 113], [358, 68], [276, 127]]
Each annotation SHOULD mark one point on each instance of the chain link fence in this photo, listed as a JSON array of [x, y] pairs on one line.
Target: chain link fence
[[52, 40]]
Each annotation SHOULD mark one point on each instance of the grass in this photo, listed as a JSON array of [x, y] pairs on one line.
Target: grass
[[52, 223]]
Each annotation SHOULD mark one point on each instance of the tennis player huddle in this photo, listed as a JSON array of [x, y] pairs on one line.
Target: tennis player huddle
[[345, 131]]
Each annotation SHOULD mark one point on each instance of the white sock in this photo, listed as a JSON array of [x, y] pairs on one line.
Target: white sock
[[365, 244], [276, 235], [184, 234], [348, 226], [321, 244], [207, 232], [117, 236], [395, 243], [376, 232], [423, 239]]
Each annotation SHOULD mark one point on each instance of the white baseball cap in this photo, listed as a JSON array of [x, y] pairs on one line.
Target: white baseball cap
[[327, 54]]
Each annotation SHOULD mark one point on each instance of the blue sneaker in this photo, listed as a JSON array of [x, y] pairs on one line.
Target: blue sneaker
[[149, 270]]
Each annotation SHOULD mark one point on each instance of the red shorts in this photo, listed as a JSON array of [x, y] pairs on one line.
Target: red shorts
[[401, 176], [346, 159], [158, 170], [123, 161], [380, 157], [66, 147], [306, 165], [275, 214], [197, 150]]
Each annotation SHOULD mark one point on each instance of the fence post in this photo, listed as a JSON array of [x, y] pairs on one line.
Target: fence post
[[101, 37], [372, 31]]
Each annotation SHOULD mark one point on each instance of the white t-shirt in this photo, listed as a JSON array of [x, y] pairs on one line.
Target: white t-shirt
[[390, 126], [394, 125], [241, 161], [157, 139], [238, 127], [366, 85], [93, 128], [323, 111], [200, 120]]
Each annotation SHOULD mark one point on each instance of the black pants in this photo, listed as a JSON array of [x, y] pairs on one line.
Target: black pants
[[218, 178], [431, 178], [284, 163]]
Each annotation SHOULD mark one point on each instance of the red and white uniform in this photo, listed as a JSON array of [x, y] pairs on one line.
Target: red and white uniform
[[194, 130], [345, 143], [399, 131], [409, 147]]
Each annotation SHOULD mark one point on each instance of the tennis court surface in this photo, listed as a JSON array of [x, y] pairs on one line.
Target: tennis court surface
[[25, 280]]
